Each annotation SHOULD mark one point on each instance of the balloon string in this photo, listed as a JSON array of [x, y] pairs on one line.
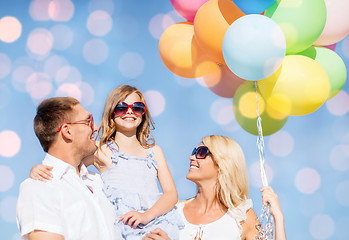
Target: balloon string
[[265, 225], [260, 140]]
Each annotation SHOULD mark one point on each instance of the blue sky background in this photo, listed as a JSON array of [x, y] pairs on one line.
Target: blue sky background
[[106, 43]]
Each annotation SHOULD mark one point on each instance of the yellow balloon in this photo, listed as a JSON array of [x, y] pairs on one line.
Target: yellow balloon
[[299, 87]]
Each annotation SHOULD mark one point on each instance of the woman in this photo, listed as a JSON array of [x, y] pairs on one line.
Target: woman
[[221, 208]]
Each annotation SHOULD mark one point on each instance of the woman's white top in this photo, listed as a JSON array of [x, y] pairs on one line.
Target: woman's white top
[[227, 227]]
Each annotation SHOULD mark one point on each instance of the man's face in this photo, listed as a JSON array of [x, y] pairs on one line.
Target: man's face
[[83, 130]]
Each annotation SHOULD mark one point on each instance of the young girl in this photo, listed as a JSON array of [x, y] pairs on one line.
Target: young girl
[[130, 164]]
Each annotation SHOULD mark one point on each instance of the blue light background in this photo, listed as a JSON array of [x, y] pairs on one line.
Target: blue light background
[[317, 143]]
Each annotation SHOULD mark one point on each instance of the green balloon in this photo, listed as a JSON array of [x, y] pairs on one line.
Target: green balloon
[[333, 65], [245, 111], [302, 21]]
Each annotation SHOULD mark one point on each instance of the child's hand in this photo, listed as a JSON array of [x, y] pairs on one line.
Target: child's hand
[[157, 234], [41, 172], [134, 218]]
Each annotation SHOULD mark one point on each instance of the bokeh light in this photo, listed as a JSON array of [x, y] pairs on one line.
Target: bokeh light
[[38, 10], [39, 85], [307, 180], [10, 29], [53, 64], [255, 174], [69, 89], [96, 51], [61, 10], [155, 101], [339, 157], [20, 76], [8, 209], [40, 42], [68, 74], [63, 37], [159, 23], [339, 105], [5, 65], [6, 177], [88, 93], [10, 143], [221, 111], [321, 226], [99, 23], [131, 65], [281, 144]]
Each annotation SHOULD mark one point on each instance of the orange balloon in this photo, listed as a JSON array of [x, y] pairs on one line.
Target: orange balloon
[[223, 82], [211, 22], [181, 54]]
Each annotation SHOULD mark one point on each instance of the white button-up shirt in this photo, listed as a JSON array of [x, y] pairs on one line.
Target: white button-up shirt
[[66, 205]]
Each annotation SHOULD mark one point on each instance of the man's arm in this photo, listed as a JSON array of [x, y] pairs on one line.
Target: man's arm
[[39, 211], [42, 235]]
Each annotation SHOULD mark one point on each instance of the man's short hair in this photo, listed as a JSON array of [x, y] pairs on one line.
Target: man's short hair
[[50, 115]]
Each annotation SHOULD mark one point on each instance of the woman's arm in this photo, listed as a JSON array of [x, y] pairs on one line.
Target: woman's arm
[[269, 196], [165, 203]]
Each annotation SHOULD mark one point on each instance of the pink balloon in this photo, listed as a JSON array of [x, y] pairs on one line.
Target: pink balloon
[[187, 8], [223, 82], [337, 22]]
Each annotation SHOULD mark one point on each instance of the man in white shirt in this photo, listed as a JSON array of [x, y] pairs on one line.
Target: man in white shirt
[[72, 205]]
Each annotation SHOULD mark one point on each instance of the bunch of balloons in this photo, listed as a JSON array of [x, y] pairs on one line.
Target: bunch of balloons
[[286, 46]]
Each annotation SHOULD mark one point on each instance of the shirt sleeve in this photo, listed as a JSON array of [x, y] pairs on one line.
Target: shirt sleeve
[[38, 207]]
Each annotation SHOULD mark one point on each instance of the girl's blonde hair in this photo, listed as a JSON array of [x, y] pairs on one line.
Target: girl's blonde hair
[[108, 129], [232, 181]]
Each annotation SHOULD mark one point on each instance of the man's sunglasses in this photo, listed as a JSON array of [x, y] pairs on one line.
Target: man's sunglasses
[[89, 122], [201, 152], [138, 108]]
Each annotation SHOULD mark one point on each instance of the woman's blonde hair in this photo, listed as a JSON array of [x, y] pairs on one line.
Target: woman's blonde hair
[[108, 129], [232, 181]]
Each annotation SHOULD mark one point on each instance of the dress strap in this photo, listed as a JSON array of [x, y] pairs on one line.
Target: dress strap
[[116, 154], [150, 159], [112, 146]]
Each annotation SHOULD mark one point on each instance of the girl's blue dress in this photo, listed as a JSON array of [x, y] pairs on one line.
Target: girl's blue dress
[[131, 184]]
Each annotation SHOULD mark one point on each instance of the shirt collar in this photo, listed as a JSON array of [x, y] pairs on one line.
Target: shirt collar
[[84, 173], [60, 167]]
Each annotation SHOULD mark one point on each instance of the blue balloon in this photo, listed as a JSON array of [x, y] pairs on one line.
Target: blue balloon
[[254, 47], [253, 6]]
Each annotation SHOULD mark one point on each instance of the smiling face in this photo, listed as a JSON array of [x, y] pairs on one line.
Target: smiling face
[[202, 169], [130, 121], [83, 131]]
